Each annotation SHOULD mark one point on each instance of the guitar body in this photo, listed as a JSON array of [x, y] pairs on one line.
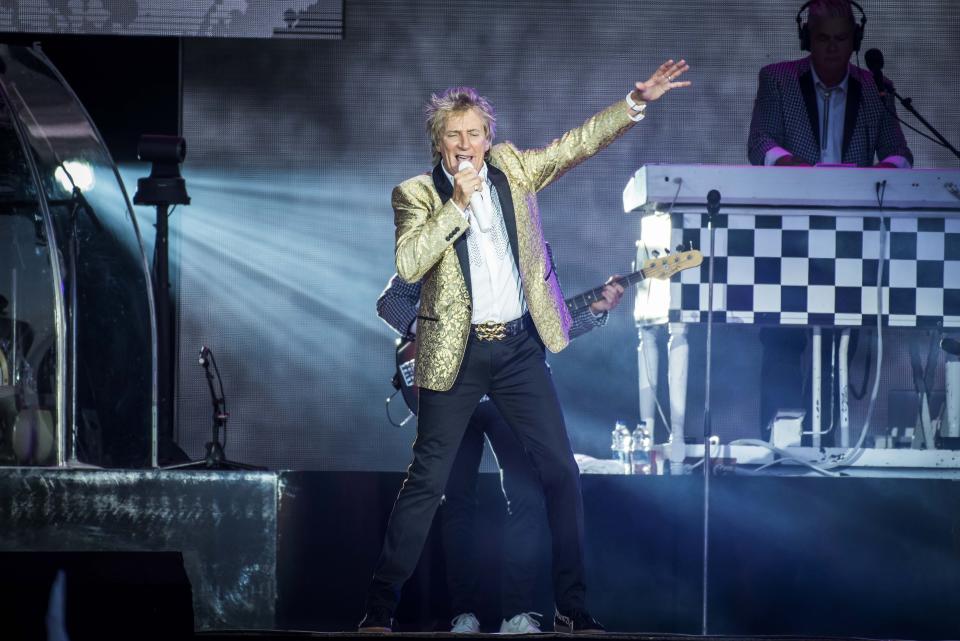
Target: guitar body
[[403, 380]]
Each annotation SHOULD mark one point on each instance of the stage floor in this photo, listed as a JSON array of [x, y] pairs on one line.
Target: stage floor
[[801, 557], [441, 636]]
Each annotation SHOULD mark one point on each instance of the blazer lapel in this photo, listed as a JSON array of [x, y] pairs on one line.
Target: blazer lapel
[[854, 95], [499, 180], [445, 189], [810, 100]]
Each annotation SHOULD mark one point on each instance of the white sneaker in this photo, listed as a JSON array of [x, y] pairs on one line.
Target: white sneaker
[[523, 623], [465, 623]]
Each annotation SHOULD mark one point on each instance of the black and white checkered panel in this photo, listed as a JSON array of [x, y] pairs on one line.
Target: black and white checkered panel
[[821, 270]]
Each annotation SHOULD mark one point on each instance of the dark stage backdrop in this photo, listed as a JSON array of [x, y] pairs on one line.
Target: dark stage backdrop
[[294, 148]]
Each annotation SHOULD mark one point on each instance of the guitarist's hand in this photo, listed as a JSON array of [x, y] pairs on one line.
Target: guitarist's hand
[[611, 295]]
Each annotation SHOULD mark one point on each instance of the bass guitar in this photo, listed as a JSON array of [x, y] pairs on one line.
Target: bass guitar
[[660, 268]]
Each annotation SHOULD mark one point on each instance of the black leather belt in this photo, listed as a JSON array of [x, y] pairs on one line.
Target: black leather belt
[[490, 331]]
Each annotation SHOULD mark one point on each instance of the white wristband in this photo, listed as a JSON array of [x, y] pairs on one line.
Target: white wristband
[[638, 108]]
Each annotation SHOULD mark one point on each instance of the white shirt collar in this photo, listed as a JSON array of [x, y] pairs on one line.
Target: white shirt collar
[[817, 83]]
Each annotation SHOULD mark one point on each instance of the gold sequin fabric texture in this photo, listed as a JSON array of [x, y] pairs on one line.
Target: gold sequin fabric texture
[[426, 230]]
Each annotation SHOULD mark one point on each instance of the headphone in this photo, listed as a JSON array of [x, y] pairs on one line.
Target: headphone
[[803, 28]]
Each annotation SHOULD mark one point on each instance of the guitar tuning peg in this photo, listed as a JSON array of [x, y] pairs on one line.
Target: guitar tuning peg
[[679, 248]]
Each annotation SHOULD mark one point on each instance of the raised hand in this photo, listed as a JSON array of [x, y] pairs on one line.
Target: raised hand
[[663, 80]]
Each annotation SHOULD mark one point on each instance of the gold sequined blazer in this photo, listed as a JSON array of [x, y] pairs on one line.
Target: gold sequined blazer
[[431, 245]]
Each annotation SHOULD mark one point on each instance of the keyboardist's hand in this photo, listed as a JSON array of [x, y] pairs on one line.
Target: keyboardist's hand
[[790, 161]]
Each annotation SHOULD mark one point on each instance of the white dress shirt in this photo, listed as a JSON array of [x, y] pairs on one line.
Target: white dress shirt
[[494, 276], [832, 108]]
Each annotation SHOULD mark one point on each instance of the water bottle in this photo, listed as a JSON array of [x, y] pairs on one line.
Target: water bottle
[[622, 446], [641, 459]]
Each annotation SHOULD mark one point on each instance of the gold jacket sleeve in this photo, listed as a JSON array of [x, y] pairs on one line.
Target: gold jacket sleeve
[[424, 227], [545, 165]]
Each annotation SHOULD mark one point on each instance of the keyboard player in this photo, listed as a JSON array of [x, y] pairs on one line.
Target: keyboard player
[[820, 109]]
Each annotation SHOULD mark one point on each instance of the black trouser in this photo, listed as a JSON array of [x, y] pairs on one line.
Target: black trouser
[[526, 514], [513, 372]]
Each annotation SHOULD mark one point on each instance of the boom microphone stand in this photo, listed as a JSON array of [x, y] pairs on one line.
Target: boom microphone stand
[[908, 105], [874, 61], [215, 458], [713, 210]]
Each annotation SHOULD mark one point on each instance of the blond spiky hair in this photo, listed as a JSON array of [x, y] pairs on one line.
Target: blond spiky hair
[[456, 100]]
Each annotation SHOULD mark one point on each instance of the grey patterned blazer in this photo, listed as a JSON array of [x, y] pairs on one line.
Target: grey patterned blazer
[[785, 114]]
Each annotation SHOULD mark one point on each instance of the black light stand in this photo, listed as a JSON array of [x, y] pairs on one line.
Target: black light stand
[[164, 187]]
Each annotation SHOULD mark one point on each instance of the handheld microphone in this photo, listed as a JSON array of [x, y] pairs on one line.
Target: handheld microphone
[[477, 204], [950, 346], [874, 60]]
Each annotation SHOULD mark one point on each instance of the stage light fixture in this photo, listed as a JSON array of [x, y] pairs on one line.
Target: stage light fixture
[[75, 173]]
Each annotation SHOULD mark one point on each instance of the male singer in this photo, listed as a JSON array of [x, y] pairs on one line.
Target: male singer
[[489, 307], [398, 305]]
